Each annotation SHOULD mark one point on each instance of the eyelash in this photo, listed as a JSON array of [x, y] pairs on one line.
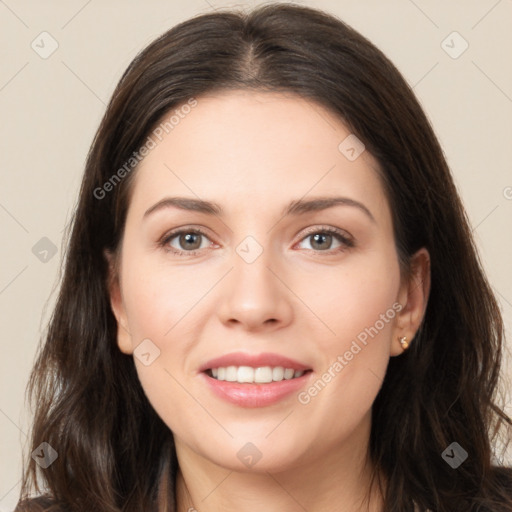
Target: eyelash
[[337, 233]]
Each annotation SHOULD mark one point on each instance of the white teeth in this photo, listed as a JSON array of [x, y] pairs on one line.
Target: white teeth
[[278, 373], [288, 374], [260, 375], [245, 374], [263, 375], [231, 375]]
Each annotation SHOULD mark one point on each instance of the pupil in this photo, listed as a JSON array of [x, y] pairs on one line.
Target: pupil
[[189, 237], [320, 236]]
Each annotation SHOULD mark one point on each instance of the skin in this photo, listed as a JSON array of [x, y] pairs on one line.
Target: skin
[[253, 153]]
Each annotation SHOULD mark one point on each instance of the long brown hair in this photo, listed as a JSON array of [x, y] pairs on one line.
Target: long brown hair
[[114, 452]]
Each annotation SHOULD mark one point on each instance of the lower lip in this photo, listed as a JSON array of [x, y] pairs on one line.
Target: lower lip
[[255, 395]]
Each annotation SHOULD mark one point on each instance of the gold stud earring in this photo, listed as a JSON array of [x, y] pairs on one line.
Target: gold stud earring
[[403, 341]]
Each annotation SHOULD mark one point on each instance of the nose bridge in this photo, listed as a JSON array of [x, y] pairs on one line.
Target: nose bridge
[[252, 294], [252, 278]]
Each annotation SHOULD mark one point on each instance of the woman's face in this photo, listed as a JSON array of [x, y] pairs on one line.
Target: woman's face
[[274, 281]]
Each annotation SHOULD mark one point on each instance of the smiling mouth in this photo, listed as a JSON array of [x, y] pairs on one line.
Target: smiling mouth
[[250, 375]]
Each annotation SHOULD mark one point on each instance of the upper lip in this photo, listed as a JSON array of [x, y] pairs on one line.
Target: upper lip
[[253, 360]]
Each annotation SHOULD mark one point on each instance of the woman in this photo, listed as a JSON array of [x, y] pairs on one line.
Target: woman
[[270, 294]]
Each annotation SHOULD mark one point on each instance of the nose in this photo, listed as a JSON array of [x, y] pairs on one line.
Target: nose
[[254, 296]]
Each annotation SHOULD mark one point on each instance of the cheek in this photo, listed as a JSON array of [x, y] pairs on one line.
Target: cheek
[[357, 301], [166, 305], [159, 297], [159, 303], [360, 306]]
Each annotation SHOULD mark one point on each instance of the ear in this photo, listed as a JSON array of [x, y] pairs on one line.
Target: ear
[[413, 297], [124, 339]]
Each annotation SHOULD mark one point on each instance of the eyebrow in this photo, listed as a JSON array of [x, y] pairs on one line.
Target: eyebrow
[[296, 207]]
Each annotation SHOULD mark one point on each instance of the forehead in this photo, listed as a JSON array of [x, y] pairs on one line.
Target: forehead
[[252, 149]]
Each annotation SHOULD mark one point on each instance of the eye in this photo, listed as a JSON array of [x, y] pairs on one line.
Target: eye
[[322, 239], [188, 241]]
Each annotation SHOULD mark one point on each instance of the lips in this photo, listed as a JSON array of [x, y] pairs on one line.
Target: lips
[[255, 394]]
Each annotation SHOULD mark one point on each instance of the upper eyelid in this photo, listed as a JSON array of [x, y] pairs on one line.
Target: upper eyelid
[[343, 236], [328, 229], [178, 231]]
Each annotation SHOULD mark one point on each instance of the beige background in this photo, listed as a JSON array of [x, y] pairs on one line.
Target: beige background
[[50, 108]]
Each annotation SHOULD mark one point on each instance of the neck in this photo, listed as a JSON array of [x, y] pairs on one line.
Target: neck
[[340, 476]]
